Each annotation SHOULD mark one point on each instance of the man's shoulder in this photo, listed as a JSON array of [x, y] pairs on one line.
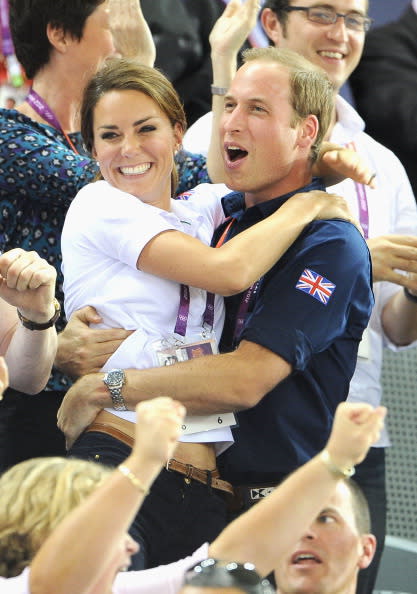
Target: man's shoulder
[[332, 230]]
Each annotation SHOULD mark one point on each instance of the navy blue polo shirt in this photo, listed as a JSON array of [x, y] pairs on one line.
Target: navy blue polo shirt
[[311, 309]]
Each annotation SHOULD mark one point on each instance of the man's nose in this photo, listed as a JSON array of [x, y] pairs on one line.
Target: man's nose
[[338, 30]]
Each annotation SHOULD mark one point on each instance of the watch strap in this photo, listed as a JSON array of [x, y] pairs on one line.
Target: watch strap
[[30, 325], [117, 399]]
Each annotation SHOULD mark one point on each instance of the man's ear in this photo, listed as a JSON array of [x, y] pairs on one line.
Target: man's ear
[[308, 130], [368, 550], [272, 26], [57, 37]]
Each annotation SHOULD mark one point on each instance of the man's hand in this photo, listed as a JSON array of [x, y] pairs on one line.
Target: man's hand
[[391, 253], [81, 405], [82, 349], [356, 427], [336, 163], [233, 27], [131, 34], [28, 283]]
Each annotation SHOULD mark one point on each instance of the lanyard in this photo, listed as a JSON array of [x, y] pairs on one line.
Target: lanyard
[[184, 310], [362, 201], [42, 109], [7, 43], [248, 295]]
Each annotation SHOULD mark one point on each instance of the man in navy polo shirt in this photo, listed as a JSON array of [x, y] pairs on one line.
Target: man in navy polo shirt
[[297, 330]]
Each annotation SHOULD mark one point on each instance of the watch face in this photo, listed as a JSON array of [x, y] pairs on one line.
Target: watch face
[[115, 377]]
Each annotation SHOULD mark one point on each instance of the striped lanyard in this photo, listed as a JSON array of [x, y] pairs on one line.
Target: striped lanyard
[[362, 199], [42, 109]]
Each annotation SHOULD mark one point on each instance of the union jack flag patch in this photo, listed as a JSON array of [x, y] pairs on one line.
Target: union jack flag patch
[[317, 286]]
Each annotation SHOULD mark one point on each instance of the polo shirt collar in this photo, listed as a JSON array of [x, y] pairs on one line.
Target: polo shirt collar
[[234, 203]]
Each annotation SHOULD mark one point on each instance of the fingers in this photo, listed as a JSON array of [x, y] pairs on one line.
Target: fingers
[[163, 411], [23, 270], [86, 315]]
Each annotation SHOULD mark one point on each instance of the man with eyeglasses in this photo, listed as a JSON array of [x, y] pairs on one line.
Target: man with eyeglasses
[[332, 35], [384, 86]]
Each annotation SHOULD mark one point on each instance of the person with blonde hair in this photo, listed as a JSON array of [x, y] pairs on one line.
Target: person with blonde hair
[[37, 494]]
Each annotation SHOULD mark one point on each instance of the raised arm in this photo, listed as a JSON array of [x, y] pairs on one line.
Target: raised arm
[[131, 34], [241, 261], [226, 38], [278, 521], [27, 285], [157, 429]]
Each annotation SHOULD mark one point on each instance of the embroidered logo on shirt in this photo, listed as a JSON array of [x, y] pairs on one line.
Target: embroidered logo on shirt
[[317, 286]]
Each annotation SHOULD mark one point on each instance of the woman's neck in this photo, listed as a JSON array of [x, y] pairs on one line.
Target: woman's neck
[[60, 95]]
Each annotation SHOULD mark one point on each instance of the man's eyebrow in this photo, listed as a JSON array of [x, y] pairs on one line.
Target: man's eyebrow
[[323, 5], [326, 510], [248, 100]]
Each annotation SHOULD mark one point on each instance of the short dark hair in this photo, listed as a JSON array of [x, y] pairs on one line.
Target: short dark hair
[[28, 22], [280, 9], [212, 573]]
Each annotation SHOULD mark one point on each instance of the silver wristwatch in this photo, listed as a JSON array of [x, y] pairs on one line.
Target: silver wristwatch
[[114, 380]]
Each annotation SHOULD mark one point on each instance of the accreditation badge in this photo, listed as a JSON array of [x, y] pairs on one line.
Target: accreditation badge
[[171, 351]]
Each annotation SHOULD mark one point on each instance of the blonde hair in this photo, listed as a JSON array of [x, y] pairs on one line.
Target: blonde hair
[[311, 89], [35, 496]]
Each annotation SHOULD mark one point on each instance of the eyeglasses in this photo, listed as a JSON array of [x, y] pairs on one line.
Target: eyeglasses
[[328, 16], [244, 575]]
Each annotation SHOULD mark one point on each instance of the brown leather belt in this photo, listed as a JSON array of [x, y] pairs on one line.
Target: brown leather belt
[[124, 431], [115, 426], [207, 477]]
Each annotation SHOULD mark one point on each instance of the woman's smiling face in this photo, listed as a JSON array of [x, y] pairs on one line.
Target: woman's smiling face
[[134, 143]]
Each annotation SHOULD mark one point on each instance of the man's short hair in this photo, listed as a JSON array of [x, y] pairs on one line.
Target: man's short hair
[[360, 507]]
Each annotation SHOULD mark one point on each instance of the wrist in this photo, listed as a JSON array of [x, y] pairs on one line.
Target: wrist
[[143, 467], [334, 466], [40, 321]]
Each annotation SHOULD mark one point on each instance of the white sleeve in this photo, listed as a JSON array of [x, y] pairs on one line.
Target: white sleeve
[[113, 222], [197, 138], [165, 578]]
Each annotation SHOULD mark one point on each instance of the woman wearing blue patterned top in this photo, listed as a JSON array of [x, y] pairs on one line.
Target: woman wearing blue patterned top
[[43, 165]]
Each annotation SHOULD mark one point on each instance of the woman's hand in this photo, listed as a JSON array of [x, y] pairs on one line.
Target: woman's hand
[[322, 205], [158, 427]]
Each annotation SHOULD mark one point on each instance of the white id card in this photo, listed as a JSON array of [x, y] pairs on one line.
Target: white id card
[[196, 424], [167, 353]]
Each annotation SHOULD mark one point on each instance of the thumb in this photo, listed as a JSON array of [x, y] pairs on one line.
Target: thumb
[[87, 315]]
